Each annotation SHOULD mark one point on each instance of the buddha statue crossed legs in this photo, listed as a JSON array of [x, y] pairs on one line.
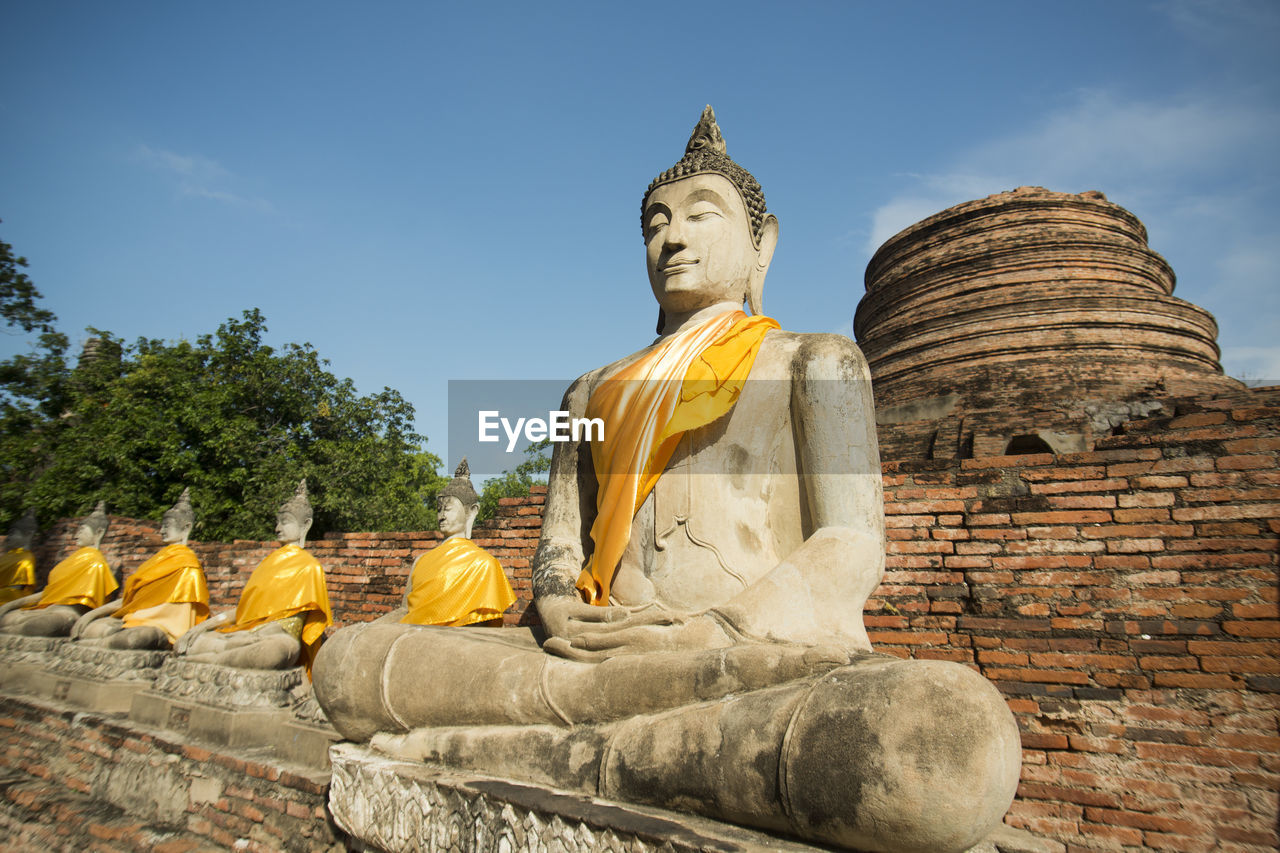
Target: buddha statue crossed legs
[[701, 578], [76, 585]]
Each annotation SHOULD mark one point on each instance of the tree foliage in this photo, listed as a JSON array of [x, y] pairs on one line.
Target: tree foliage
[[235, 420], [516, 483]]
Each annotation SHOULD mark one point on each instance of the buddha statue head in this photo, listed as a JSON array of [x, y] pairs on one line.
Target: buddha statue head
[[708, 236], [458, 504], [21, 532], [93, 528], [294, 518], [177, 521]]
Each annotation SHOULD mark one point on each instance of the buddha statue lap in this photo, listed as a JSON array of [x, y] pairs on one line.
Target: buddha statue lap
[[283, 611], [457, 583], [17, 563], [166, 597], [79, 583], [701, 578]]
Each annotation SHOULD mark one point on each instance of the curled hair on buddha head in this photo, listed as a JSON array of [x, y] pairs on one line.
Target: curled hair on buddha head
[[97, 521], [181, 512], [460, 486], [706, 153], [298, 506]]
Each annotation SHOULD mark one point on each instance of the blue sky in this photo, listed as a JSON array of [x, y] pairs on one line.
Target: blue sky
[[428, 192]]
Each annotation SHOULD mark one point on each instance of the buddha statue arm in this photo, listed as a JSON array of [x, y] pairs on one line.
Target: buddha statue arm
[[18, 603], [815, 595], [93, 615], [184, 642]]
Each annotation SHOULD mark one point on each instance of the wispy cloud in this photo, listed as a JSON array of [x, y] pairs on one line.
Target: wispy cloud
[[201, 177], [1134, 149]]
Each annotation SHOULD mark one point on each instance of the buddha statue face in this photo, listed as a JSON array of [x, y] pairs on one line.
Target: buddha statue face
[[86, 536], [698, 244], [453, 518], [290, 529], [173, 530]]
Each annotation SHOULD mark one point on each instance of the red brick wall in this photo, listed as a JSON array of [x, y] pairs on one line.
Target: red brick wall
[[1124, 600]]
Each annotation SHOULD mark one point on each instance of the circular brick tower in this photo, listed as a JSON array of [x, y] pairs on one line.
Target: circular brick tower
[[1027, 320]]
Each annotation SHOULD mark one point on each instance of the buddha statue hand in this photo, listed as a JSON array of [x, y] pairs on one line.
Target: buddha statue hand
[[586, 632]]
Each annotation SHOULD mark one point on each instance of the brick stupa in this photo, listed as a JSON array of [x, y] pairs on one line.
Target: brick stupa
[[1027, 321]]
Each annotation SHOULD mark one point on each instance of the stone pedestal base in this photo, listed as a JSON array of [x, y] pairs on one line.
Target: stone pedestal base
[[25, 659], [237, 708], [99, 679], [392, 805]]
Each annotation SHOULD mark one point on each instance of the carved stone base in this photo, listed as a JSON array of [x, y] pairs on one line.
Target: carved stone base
[[24, 660], [240, 708], [97, 678], [392, 805]]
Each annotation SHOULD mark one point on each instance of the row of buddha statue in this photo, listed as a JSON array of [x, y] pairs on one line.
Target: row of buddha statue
[[283, 610]]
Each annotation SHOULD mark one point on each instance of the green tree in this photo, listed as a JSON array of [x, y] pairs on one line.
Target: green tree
[[232, 418], [516, 483]]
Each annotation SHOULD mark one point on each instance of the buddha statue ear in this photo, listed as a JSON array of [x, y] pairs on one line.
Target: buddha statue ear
[[472, 512], [764, 257], [662, 319]]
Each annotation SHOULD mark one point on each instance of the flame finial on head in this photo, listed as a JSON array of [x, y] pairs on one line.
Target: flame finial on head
[[460, 486], [706, 152], [299, 506]]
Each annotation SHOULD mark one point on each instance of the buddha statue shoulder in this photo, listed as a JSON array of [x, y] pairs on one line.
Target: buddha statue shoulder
[[701, 577], [76, 585], [166, 597], [283, 611]]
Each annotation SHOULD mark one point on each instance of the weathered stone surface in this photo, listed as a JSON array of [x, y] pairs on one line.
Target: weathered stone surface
[[84, 661], [1028, 306]]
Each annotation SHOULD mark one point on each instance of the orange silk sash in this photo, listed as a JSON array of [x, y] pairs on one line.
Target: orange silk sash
[[687, 381], [287, 582], [17, 574], [83, 578], [457, 583], [172, 577]]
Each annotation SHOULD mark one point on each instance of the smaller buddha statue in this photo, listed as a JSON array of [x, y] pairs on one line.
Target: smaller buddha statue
[[76, 585], [283, 611], [17, 563], [166, 597], [456, 583]]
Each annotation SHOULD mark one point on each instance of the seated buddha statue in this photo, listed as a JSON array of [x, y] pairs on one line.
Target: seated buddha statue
[[76, 585], [700, 578], [457, 582], [280, 618], [17, 563], [162, 600]]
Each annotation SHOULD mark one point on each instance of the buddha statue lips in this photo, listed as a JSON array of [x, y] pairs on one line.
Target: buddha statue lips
[[700, 578]]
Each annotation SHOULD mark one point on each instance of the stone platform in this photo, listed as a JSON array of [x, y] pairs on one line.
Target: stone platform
[[237, 708], [98, 678], [25, 659], [387, 804]]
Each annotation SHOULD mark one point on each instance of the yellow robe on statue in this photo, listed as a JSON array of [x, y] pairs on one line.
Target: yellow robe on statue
[[288, 582], [457, 583], [686, 381], [168, 592], [83, 578], [17, 574]]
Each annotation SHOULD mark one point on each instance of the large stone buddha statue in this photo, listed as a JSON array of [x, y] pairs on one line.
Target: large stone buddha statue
[[701, 578], [166, 597], [283, 610], [76, 585], [17, 563], [456, 583]]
